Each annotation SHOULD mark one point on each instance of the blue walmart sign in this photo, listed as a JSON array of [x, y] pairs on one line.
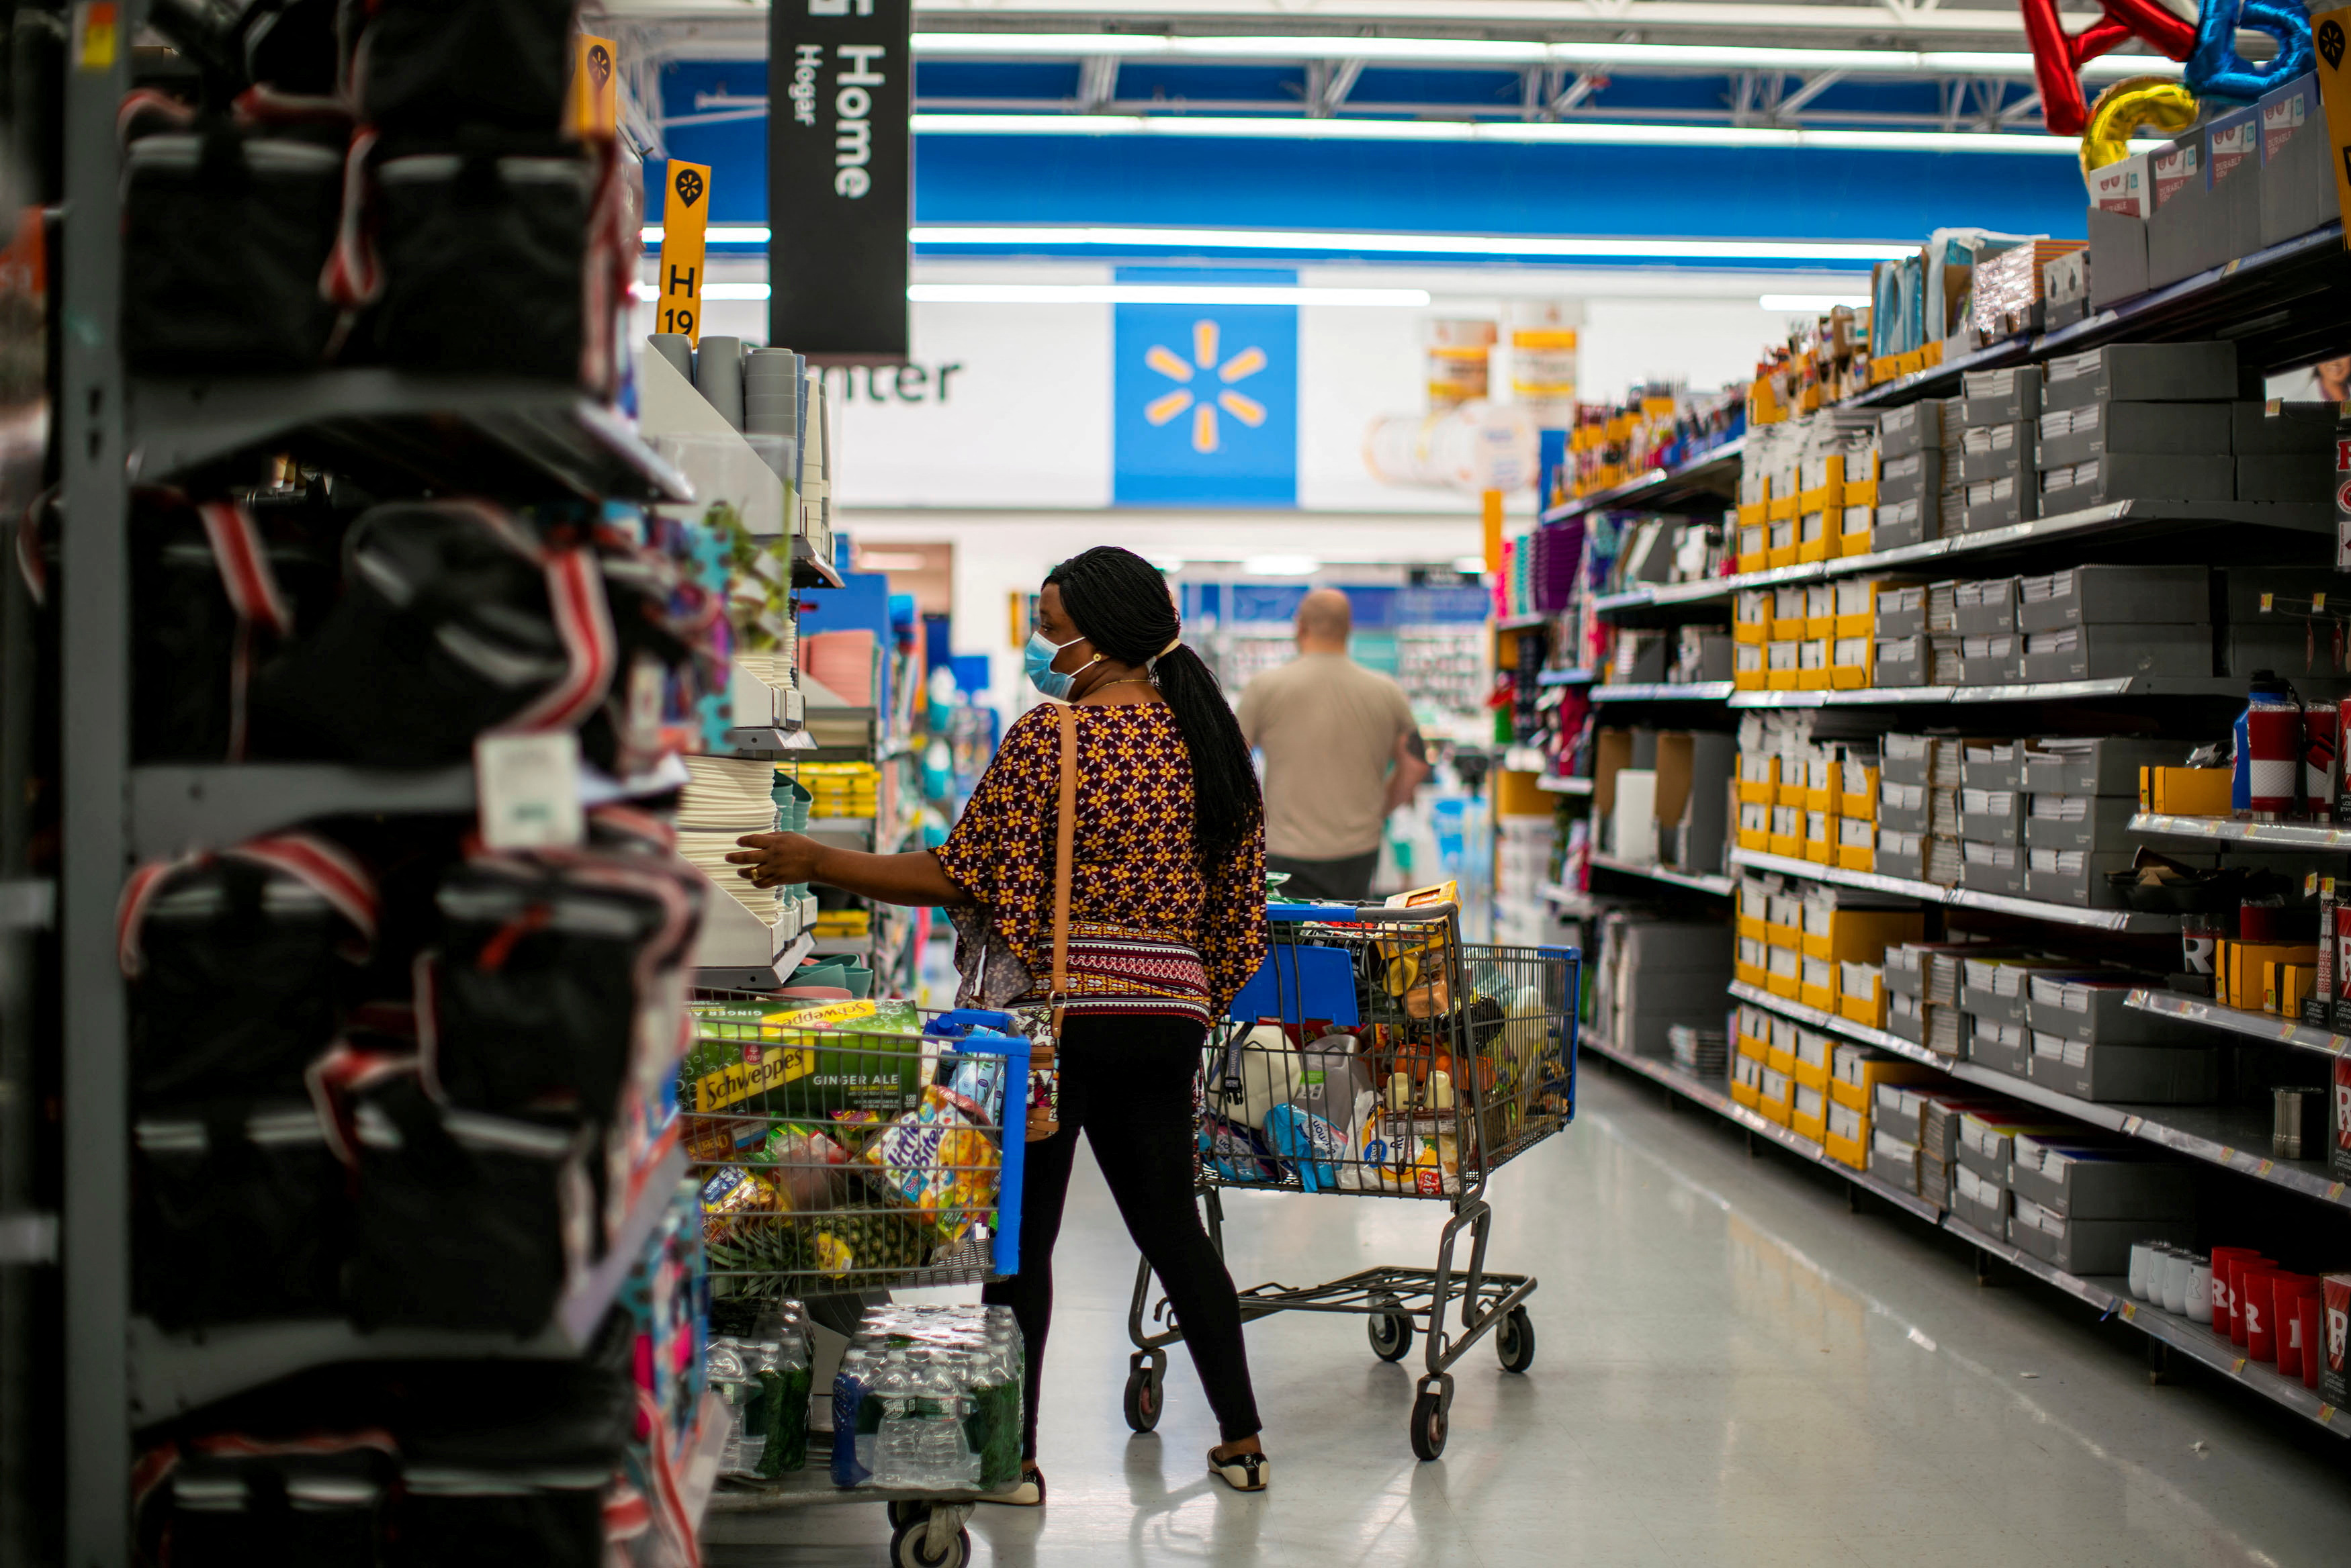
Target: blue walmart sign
[[1207, 397]]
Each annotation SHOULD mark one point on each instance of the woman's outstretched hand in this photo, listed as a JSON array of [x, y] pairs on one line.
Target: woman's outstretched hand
[[772, 859]]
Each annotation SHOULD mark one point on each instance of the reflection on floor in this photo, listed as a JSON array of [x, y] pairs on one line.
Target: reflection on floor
[[1732, 1370]]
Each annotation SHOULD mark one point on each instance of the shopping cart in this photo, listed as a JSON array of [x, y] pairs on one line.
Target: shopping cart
[[1376, 1055], [875, 1134]]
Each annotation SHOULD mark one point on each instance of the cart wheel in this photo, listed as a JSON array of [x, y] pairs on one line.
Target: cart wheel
[[1514, 1342], [1391, 1334], [905, 1515], [1429, 1426], [1143, 1400], [906, 1548]]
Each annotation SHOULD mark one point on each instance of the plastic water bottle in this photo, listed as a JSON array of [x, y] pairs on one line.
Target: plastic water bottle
[[898, 1441]]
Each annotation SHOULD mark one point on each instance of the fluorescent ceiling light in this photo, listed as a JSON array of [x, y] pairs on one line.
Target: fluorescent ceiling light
[[718, 233], [1155, 294], [1811, 301], [734, 291], [1579, 132], [1469, 566], [1322, 240], [1281, 566], [1512, 52]]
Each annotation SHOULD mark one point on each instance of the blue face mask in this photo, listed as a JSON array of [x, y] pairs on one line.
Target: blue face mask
[[1037, 660]]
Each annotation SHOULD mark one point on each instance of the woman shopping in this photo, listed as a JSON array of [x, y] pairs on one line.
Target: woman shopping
[[1164, 919]]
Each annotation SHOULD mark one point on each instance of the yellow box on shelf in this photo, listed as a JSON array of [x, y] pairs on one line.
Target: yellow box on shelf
[[2186, 791], [1854, 1078], [1853, 1152]]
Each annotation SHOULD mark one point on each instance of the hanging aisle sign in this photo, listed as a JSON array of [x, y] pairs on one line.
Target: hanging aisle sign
[[840, 177], [685, 215], [594, 112]]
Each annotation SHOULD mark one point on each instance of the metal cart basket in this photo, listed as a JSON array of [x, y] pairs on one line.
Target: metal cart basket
[[1376, 1055], [875, 1133]]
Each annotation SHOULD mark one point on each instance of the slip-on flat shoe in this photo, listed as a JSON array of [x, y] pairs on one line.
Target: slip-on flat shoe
[[1029, 1493], [1242, 1472]]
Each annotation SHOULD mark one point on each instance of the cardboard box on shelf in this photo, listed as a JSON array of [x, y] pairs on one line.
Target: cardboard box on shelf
[[2076, 878], [2117, 651], [2097, 823], [2334, 1340], [2307, 477], [2083, 1247], [1980, 1200], [2181, 239], [2093, 765], [2186, 791], [2002, 1047], [1894, 1161], [1855, 1072], [2136, 476], [2069, 436], [2009, 397], [2297, 175], [2098, 1180], [2232, 172], [2127, 1074], [2142, 372]]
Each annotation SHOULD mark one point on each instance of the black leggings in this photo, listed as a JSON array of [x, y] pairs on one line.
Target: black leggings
[[1127, 1083]]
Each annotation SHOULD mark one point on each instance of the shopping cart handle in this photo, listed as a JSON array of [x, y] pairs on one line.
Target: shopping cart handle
[[1291, 912], [964, 1020]]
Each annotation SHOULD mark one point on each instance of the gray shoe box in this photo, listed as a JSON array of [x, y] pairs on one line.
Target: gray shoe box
[[2091, 1247], [2118, 256], [2098, 1013], [1993, 452], [1986, 1050], [2083, 889], [1901, 661], [2106, 830], [2111, 764], [1903, 522], [2118, 596], [2098, 1182], [1983, 876], [2297, 173], [2142, 1075], [1990, 765], [1986, 604], [2148, 476], [2254, 430], [1914, 427], [2112, 652], [2304, 476], [2142, 373], [2000, 396], [2174, 429], [2000, 822], [1991, 1221]]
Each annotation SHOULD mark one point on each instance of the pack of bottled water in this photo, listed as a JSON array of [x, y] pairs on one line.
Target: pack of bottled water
[[761, 1369], [929, 1398]]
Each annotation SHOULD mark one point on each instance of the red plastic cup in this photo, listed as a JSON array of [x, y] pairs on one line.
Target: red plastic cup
[[2224, 1264], [2253, 1317], [2290, 1291], [2308, 1312]]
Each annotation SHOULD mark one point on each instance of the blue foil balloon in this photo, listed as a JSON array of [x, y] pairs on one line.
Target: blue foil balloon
[[2215, 70]]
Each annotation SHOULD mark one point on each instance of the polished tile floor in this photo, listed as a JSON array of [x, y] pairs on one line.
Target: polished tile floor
[[1731, 1368]]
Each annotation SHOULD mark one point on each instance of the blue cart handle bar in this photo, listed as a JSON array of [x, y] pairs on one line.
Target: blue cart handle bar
[[1356, 914]]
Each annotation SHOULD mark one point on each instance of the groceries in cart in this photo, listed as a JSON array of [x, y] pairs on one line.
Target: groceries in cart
[[759, 1364], [928, 1399], [1376, 1055], [857, 1142]]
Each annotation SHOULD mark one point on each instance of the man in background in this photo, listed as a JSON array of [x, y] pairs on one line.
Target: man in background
[[1341, 751]]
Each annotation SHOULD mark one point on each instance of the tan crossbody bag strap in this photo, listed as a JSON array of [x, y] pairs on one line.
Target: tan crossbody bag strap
[[1065, 839]]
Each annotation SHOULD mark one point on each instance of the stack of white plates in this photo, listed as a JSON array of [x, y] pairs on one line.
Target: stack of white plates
[[725, 798], [707, 853], [727, 794]]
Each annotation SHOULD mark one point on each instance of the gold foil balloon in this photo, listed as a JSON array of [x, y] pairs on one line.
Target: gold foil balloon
[[2129, 107]]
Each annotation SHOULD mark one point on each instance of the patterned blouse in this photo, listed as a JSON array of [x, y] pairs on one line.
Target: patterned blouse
[[1151, 931]]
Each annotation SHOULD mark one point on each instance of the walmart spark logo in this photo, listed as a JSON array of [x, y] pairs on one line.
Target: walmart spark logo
[[1204, 406], [1240, 367]]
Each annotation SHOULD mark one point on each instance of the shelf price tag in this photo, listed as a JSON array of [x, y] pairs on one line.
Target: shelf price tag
[[686, 217], [528, 790]]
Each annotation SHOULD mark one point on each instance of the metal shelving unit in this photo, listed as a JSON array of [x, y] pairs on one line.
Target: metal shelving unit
[[2224, 1136], [2265, 1026], [1695, 881], [2134, 921], [2288, 836], [2141, 686], [1694, 692], [1713, 473], [2110, 1297]]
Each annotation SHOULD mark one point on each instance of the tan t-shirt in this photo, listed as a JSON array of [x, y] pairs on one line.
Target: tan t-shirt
[[1329, 729]]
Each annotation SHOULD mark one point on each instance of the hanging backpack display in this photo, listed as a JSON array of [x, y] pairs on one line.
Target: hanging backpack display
[[454, 622], [431, 64], [237, 1216], [238, 962], [558, 972]]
